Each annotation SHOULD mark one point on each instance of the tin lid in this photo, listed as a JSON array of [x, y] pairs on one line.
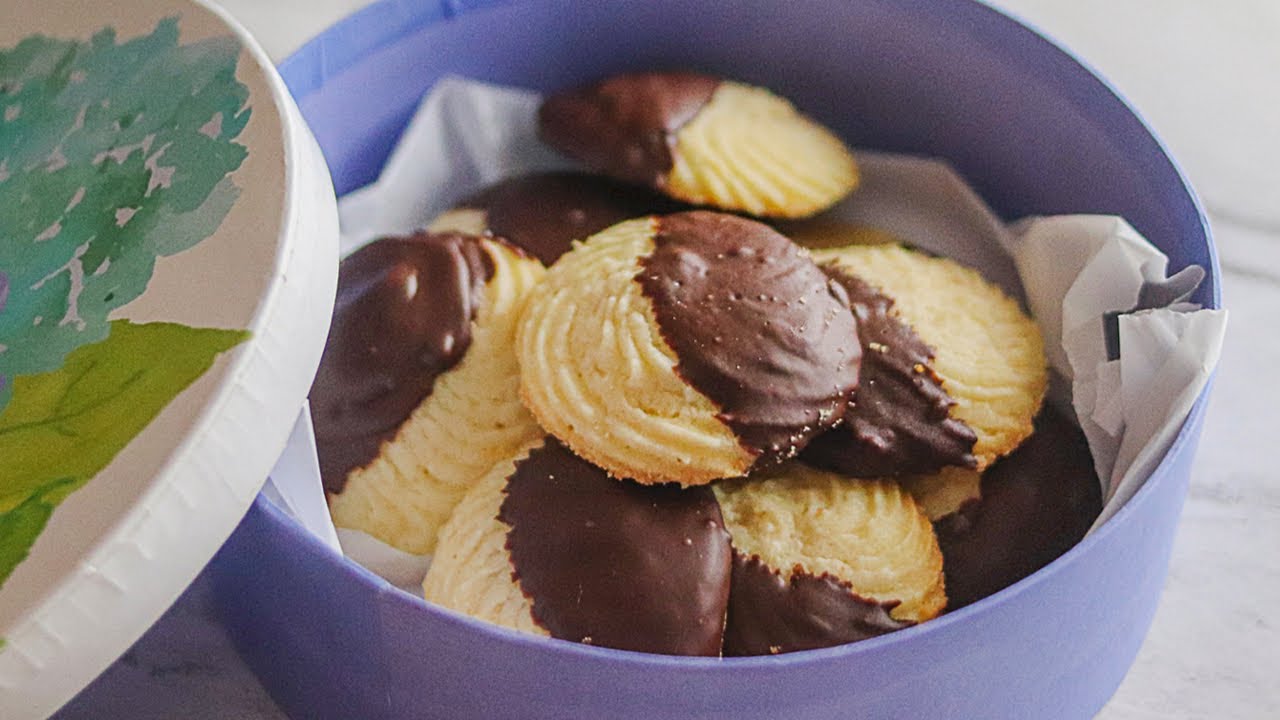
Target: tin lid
[[168, 260]]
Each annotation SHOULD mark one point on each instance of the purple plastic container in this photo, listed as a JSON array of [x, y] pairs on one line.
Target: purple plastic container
[[1024, 121]]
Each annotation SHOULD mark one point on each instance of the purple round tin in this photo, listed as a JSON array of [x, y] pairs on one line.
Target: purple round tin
[[1032, 129]]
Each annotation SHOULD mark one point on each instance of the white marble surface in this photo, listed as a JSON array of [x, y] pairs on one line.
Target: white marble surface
[[1205, 75]]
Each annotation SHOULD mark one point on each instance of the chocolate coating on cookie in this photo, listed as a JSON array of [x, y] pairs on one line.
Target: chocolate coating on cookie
[[756, 327], [614, 563], [626, 125], [769, 615], [543, 213], [898, 422], [402, 317], [1037, 503]]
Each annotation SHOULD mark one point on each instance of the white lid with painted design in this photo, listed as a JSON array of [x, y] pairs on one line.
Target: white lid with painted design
[[168, 259]]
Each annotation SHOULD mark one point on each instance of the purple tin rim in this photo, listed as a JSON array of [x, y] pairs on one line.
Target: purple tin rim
[[383, 23]]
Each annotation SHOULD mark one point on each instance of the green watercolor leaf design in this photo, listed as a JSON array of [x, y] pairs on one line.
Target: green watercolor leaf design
[[63, 427], [112, 154], [20, 526]]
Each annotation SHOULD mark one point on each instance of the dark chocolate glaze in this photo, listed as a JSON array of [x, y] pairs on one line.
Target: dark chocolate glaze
[[770, 615], [614, 563], [402, 317], [544, 212], [898, 421], [1036, 504], [625, 126], [756, 326]]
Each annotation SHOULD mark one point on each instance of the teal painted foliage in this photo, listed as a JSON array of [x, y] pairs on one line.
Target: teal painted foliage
[[111, 155]]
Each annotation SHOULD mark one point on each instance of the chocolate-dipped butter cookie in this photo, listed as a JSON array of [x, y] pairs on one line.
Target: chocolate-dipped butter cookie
[[686, 348], [703, 140], [417, 394], [548, 543], [1036, 503], [543, 213], [953, 371], [822, 560]]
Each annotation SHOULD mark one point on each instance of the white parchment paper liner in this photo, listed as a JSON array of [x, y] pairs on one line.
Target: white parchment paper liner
[[1070, 271]]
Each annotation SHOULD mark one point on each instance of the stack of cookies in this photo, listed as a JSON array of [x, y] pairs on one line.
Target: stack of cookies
[[622, 409]]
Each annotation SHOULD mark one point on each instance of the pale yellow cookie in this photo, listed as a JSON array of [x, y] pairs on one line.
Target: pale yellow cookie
[[549, 542], [463, 220], [749, 150], [704, 140], [596, 373], [867, 533], [988, 352], [471, 572], [944, 492], [472, 419], [685, 348], [543, 213]]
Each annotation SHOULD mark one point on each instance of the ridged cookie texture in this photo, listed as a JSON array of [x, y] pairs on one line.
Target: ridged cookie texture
[[686, 348], [987, 359], [749, 150], [471, 570], [821, 559], [441, 425], [544, 213], [899, 421], [702, 140], [549, 543]]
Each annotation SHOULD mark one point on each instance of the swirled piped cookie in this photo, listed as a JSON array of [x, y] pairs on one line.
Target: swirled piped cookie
[[820, 560], [543, 213], [703, 140], [417, 392], [953, 371], [686, 348], [548, 543]]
